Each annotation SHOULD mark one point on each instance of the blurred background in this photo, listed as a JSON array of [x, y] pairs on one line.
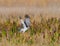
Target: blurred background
[[48, 7]]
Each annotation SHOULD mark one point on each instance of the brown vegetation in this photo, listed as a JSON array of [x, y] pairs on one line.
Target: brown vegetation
[[43, 32]]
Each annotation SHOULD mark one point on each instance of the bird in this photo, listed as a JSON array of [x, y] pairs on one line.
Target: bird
[[25, 23]]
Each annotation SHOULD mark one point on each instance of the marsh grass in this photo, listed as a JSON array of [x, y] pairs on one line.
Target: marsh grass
[[45, 33]]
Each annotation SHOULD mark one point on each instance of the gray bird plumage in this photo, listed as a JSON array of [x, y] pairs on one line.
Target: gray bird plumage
[[27, 22]]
